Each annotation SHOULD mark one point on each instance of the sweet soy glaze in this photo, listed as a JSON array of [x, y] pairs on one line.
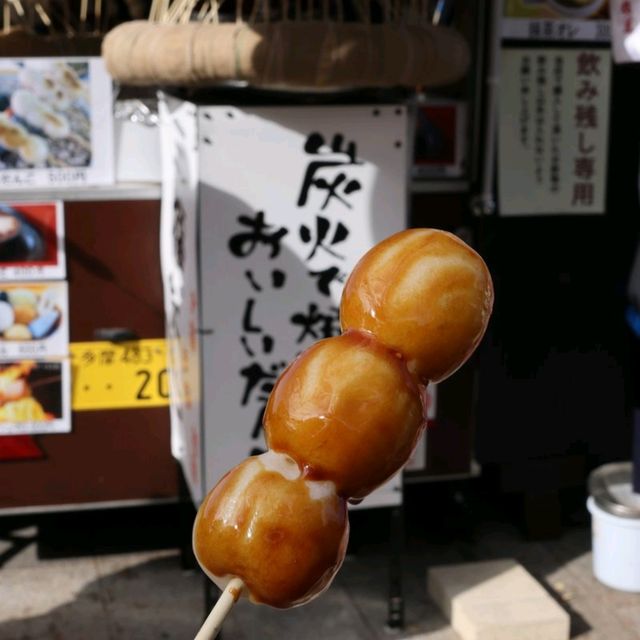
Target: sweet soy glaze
[[344, 417], [348, 411], [425, 294], [284, 535]]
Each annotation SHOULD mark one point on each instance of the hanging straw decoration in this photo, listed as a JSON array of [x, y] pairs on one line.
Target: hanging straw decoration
[[287, 44], [47, 27]]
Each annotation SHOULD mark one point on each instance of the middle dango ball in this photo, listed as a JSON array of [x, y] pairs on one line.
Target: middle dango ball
[[348, 411]]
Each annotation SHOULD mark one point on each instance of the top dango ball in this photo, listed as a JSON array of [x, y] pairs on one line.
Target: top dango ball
[[425, 294]]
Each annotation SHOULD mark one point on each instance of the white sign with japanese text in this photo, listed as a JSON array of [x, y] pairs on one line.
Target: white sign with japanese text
[[556, 20], [179, 262], [556, 30], [290, 199], [553, 131]]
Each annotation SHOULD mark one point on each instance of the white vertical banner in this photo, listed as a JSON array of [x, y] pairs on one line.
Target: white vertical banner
[[290, 199], [625, 30], [179, 261], [553, 131]]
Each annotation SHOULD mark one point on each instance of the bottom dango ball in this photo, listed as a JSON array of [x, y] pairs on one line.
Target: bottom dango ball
[[285, 536]]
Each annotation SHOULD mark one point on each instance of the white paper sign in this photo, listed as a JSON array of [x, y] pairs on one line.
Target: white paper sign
[[56, 123], [34, 320], [625, 30], [553, 131], [290, 199], [178, 248], [35, 397], [32, 241]]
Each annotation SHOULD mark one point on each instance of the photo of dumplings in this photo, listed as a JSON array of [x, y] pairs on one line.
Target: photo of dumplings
[[31, 313], [45, 114]]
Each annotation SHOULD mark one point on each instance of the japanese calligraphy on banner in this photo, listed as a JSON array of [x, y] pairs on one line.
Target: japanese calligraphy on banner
[[179, 263], [625, 30], [553, 131], [290, 199], [556, 20]]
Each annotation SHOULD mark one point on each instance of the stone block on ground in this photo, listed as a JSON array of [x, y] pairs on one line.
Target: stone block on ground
[[496, 600]]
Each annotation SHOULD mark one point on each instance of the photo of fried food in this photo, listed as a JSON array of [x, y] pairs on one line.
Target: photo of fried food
[[30, 391]]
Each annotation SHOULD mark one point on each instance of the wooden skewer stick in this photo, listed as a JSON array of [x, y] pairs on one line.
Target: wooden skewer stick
[[84, 10], [97, 16], [227, 599], [176, 10], [162, 7], [6, 18], [153, 11], [163, 10], [17, 5], [185, 17]]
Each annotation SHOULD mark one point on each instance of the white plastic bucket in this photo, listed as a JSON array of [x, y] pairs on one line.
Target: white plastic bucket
[[616, 548]]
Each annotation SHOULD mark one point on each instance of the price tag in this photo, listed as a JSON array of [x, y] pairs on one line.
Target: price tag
[[127, 375]]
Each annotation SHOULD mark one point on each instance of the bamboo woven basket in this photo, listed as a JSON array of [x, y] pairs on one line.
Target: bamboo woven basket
[[324, 46]]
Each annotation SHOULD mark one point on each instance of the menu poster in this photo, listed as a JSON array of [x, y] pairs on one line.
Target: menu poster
[[556, 20], [553, 131], [34, 397], [439, 143], [32, 241], [34, 320], [56, 125]]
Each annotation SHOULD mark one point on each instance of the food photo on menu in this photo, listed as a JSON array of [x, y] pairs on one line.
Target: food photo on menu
[[438, 142], [45, 114], [31, 241], [33, 319], [32, 396]]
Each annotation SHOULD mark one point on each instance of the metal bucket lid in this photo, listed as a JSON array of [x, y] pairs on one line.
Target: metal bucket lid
[[611, 488]]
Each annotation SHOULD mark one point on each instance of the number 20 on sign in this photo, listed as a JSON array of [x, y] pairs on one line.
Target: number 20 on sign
[[128, 375]]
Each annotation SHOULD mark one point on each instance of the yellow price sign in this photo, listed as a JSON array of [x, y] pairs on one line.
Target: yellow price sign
[[123, 375]]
